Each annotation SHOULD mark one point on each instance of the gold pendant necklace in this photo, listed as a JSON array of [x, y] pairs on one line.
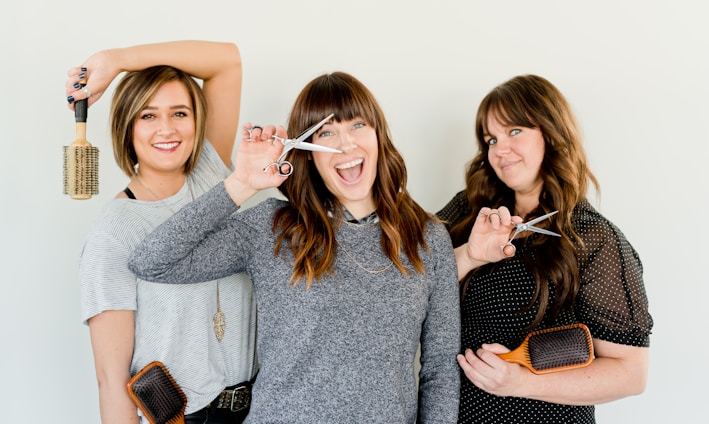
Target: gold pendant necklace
[[219, 319], [371, 271]]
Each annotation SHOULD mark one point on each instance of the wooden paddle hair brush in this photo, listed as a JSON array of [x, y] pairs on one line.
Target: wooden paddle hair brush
[[81, 159], [554, 349], [158, 395]]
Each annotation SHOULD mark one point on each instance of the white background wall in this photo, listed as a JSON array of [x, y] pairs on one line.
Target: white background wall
[[635, 71]]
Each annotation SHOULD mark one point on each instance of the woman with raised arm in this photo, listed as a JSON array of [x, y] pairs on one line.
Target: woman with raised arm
[[174, 141]]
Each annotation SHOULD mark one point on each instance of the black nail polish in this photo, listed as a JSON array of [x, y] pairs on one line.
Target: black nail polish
[[70, 99], [77, 85], [82, 75], [83, 69]]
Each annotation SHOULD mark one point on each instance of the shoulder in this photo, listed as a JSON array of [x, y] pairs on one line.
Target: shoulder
[[437, 237], [456, 208], [209, 169], [592, 226], [436, 229], [601, 238], [117, 212], [126, 221], [262, 212]]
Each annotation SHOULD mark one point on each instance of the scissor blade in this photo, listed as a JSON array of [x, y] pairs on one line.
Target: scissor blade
[[316, 148], [312, 129], [542, 231], [541, 218]]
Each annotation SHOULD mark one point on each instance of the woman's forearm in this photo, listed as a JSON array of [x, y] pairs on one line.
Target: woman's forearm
[[112, 343], [623, 373], [202, 59]]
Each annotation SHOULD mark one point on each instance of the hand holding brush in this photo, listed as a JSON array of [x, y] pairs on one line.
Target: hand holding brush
[[158, 396], [81, 158], [554, 349]]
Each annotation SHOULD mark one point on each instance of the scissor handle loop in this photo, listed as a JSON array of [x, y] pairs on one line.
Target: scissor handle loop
[[287, 165], [509, 243], [283, 167]]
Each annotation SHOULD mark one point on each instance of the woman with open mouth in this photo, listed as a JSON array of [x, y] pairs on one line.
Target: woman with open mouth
[[350, 274]]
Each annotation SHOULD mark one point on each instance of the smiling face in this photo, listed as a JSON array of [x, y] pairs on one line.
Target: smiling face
[[516, 154], [349, 175], [164, 132]]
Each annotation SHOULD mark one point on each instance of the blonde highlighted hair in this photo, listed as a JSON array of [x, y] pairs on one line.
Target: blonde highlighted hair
[[132, 96]]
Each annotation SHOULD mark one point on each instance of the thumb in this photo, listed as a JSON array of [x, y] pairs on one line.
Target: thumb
[[495, 348]]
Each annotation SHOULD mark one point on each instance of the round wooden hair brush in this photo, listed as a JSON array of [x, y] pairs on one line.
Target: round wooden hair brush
[[158, 395], [554, 349], [80, 159]]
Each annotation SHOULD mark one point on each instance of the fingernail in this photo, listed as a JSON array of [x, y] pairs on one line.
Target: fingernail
[[77, 85], [70, 99], [83, 69], [82, 75]]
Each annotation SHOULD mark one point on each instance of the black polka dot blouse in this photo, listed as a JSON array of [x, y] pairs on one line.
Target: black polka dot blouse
[[612, 302]]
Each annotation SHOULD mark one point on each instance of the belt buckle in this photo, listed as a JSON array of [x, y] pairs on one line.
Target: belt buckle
[[240, 398]]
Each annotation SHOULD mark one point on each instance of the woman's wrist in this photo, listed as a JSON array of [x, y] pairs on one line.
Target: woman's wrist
[[238, 190], [465, 260]]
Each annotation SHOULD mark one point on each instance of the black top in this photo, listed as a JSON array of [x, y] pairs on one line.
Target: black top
[[129, 193], [612, 302]]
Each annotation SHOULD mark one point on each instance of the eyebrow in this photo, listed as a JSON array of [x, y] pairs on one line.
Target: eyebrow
[[171, 107]]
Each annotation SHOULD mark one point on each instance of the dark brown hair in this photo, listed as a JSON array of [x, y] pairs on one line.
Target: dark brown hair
[[304, 225], [531, 101]]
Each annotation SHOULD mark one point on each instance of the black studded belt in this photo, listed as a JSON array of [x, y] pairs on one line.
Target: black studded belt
[[235, 398]]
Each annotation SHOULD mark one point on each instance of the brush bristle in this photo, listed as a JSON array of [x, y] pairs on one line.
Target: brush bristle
[[80, 171], [161, 398], [559, 348]]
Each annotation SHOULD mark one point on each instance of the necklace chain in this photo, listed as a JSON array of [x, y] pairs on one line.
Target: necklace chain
[[145, 186], [371, 271], [219, 319]]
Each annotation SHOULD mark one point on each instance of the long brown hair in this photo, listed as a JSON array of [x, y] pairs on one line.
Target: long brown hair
[[531, 101], [303, 225], [131, 97]]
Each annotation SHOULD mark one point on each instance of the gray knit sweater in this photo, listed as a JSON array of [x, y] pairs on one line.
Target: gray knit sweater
[[344, 350]]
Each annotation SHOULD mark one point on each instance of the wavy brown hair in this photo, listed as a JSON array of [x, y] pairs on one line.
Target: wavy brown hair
[[531, 101], [304, 225], [132, 96]]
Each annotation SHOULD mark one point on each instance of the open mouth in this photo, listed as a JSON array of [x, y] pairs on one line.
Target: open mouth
[[350, 171]]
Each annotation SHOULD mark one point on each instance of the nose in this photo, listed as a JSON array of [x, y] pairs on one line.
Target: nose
[[502, 147], [165, 127], [346, 143]]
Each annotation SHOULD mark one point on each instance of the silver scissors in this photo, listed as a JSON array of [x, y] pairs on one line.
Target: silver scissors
[[284, 167], [529, 226]]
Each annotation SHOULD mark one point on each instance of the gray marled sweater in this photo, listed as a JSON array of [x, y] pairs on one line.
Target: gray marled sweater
[[342, 351]]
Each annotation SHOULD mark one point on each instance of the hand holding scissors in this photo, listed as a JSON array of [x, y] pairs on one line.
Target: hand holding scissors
[[529, 226], [284, 167]]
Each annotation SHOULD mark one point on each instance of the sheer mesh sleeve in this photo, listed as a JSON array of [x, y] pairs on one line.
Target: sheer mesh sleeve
[[612, 300]]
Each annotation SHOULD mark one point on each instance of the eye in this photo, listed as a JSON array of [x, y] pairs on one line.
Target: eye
[[491, 141], [181, 114], [359, 125], [147, 116], [515, 131], [324, 133]]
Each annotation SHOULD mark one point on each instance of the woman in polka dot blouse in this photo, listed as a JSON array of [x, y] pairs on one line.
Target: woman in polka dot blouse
[[531, 162]]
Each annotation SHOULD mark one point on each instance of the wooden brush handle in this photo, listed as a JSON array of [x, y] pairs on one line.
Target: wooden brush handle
[[519, 355]]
